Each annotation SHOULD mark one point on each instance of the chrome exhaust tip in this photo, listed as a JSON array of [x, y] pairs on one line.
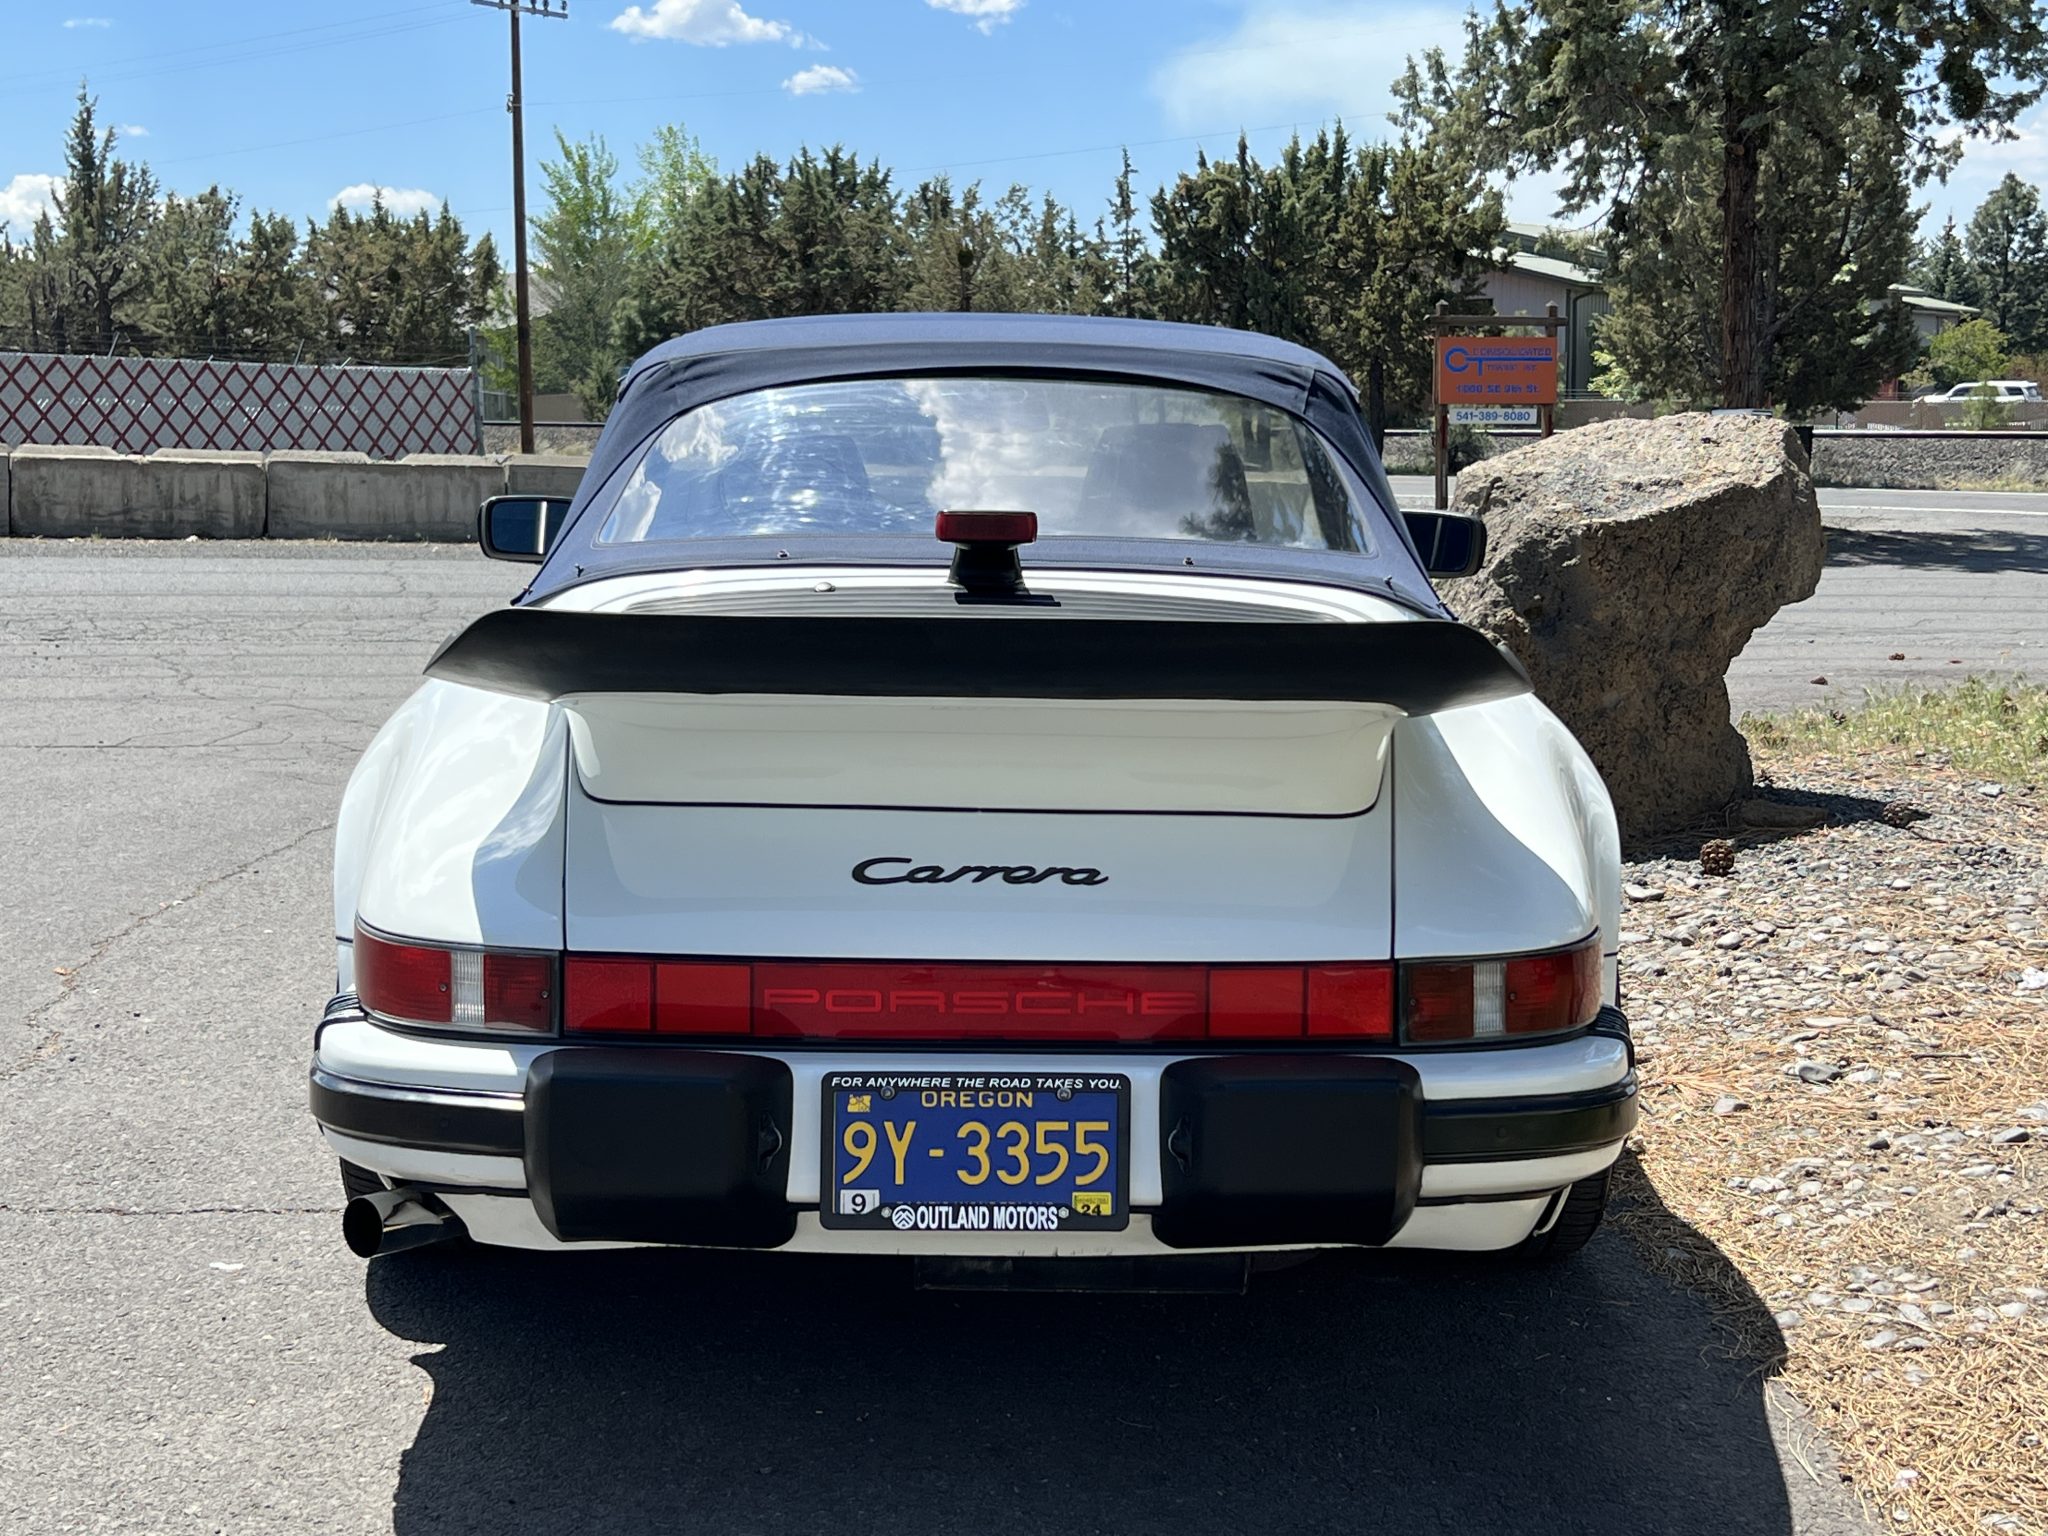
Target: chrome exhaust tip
[[393, 1220]]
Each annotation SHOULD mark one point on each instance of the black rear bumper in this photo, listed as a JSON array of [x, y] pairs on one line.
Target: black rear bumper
[[637, 1145]]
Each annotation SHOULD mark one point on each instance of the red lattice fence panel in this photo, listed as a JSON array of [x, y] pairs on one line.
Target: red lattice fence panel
[[135, 404]]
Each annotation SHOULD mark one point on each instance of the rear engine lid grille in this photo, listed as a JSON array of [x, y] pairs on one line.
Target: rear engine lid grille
[[829, 600]]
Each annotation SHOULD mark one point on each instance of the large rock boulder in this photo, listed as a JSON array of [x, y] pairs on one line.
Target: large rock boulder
[[1628, 563]]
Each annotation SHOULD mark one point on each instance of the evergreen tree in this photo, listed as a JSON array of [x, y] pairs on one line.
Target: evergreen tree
[[274, 314], [104, 214], [403, 291], [1129, 290], [2008, 246], [1834, 232], [1347, 250], [187, 305], [1943, 269]]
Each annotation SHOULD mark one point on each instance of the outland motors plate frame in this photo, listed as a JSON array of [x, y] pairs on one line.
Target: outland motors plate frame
[[979, 1208]]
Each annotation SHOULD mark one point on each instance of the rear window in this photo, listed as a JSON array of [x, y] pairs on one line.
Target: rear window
[[1093, 460]]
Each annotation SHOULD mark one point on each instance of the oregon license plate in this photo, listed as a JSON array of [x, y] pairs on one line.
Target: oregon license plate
[[976, 1151]]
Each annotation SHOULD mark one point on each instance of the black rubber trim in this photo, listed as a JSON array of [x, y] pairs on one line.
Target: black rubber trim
[[1495, 1130], [429, 1120], [542, 653], [1613, 1023]]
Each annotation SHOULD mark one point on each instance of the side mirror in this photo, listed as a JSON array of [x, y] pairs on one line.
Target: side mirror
[[1450, 543], [520, 527]]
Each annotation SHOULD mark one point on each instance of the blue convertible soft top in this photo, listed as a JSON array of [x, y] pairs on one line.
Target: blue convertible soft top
[[728, 360]]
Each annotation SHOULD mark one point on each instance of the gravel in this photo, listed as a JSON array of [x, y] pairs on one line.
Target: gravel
[[1841, 1048]]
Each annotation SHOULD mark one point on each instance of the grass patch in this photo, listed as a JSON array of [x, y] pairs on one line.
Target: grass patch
[[1988, 729]]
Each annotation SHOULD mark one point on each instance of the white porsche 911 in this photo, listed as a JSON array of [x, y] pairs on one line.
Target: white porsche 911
[[996, 789]]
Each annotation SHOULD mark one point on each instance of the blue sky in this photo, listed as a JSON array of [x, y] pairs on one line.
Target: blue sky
[[293, 105]]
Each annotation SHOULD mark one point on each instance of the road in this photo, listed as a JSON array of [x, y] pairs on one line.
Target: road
[[185, 1345], [1954, 581]]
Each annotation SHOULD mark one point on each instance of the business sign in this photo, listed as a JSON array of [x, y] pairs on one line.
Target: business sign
[[1496, 370], [1493, 415]]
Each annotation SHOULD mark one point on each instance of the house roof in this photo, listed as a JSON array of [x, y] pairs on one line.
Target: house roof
[[1552, 268], [1926, 303]]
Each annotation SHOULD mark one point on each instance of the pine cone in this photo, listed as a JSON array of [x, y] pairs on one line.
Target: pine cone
[[1897, 813], [1718, 857]]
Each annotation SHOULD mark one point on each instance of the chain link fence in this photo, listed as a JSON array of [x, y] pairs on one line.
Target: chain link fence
[[138, 404]]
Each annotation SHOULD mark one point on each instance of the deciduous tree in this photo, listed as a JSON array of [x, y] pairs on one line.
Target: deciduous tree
[[584, 247]]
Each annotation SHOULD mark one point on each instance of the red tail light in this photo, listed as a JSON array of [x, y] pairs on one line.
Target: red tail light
[[969, 1003], [1439, 1002], [410, 982], [519, 991], [454, 987], [1469, 1000]]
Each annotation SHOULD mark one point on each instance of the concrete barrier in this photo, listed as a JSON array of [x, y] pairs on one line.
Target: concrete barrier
[[65, 492], [350, 496], [543, 474]]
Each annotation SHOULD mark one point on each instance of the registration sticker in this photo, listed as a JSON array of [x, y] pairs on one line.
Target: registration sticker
[[976, 1151]]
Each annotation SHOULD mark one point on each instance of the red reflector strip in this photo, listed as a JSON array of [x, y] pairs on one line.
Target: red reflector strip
[[872, 1000], [608, 996], [869, 1001], [1353, 1001], [692, 998], [1255, 1003], [408, 982]]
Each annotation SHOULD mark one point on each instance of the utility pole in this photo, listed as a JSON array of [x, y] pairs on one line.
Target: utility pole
[[515, 104]]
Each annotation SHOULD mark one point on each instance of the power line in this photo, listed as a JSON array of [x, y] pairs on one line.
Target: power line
[[51, 80], [322, 138]]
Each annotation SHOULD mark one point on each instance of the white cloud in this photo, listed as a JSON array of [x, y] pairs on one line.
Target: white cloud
[[1984, 163], [987, 14], [405, 201], [133, 131], [1314, 58], [25, 198], [704, 23], [820, 78], [98, 23], [2025, 154]]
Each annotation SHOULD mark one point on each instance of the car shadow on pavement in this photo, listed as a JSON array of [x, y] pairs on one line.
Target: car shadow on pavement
[[1962, 549], [629, 1392]]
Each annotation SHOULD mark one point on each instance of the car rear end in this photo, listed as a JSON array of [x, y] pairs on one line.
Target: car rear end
[[1153, 982], [1148, 908]]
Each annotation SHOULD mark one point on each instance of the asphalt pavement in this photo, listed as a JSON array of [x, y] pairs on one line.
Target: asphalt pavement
[[186, 1346], [1954, 583]]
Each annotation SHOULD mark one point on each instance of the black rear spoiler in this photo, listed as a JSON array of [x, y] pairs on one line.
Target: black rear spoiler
[[1417, 666]]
